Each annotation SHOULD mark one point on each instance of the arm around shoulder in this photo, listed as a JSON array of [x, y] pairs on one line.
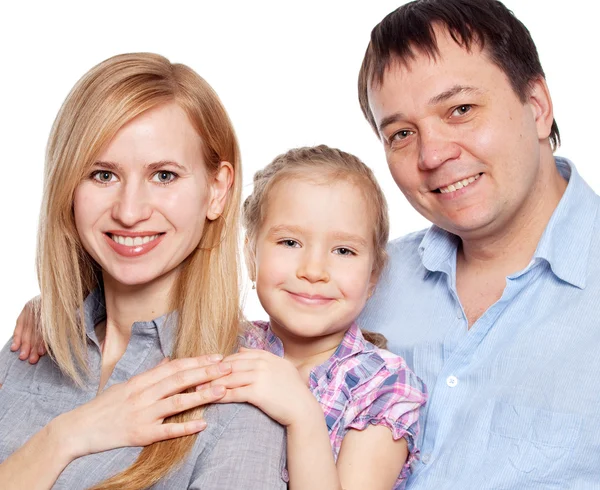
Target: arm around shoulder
[[249, 453]]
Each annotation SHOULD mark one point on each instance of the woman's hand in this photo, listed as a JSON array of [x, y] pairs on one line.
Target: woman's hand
[[27, 335], [132, 413], [270, 383]]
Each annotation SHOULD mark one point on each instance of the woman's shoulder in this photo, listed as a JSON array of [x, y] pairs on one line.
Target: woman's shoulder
[[235, 415]]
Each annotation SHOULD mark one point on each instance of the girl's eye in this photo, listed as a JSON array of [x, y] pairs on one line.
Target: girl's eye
[[344, 251], [164, 177], [289, 243], [103, 176], [461, 110]]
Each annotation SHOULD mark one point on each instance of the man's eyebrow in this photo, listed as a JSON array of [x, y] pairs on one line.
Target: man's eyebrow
[[391, 119], [448, 94]]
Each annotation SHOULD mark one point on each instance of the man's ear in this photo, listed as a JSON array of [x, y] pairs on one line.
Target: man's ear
[[219, 190], [541, 104]]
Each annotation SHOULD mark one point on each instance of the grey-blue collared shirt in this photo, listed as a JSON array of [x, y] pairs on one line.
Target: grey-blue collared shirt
[[241, 448]]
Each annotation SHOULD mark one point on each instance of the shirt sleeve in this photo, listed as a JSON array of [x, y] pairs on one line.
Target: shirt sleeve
[[7, 357], [249, 454], [393, 398]]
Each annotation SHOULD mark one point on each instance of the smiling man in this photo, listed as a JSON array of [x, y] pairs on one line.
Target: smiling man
[[495, 306]]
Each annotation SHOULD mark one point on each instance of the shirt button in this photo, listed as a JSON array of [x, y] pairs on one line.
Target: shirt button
[[459, 313], [426, 458], [451, 381], [285, 475]]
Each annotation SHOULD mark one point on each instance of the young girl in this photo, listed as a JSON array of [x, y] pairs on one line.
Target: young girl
[[317, 229]]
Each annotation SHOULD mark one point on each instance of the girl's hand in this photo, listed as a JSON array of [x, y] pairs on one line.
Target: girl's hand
[[270, 383], [27, 335], [132, 413]]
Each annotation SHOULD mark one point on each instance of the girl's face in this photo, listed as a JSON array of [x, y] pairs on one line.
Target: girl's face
[[314, 257], [142, 208]]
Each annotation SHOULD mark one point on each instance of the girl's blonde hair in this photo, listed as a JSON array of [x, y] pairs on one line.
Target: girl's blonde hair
[[206, 294], [319, 162]]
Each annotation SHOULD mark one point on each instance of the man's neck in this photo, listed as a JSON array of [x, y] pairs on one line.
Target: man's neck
[[511, 248]]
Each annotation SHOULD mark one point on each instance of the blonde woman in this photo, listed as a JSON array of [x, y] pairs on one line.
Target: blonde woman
[[137, 262]]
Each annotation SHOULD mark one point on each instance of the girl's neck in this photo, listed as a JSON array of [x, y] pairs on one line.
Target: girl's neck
[[306, 353]]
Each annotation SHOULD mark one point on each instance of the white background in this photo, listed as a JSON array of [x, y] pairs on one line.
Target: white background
[[286, 72]]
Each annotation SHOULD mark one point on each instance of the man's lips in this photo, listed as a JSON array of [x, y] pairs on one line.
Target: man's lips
[[457, 185]]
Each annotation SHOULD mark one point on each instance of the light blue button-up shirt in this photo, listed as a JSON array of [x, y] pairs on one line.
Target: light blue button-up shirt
[[515, 400]]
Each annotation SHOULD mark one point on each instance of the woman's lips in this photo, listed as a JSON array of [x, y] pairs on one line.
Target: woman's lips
[[133, 245]]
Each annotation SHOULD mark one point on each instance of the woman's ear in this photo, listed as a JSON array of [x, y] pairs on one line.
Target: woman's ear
[[219, 190]]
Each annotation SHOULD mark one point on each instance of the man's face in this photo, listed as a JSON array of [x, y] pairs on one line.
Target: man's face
[[460, 144]]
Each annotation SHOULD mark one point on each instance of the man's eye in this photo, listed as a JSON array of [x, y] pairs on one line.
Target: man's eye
[[343, 251], [164, 177], [103, 176], [400, 135], [461, 110]]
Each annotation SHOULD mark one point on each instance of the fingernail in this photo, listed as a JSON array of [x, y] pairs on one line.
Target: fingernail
[[225, 367], [215, 357], [13, 346], [218, 390], [22, 356], [200, 424]]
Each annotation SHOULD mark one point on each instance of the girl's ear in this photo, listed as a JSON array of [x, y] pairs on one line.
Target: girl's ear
[[250, 257], [219, 190]]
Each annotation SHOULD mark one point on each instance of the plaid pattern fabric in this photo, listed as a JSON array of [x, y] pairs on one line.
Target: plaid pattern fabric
[[359, 385]]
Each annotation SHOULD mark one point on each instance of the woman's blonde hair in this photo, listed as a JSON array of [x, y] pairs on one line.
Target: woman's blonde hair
[[206, 294], [319, 162]]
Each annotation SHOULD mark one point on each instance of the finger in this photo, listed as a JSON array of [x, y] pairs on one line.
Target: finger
[[169, 368], [248, 354], [189, 378], [25, 344], [163, 432], [34, 357], [181, 402], [42, 350], [243, 394], [242, 365], [236, 380], [16, 343]]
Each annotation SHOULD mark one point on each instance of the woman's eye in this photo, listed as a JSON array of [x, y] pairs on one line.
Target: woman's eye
[[461, 110], [289, 243], [344, 251], [164, 177], [103, 176]]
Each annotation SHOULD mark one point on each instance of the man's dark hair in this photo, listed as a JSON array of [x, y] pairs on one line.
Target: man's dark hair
[[486, 23]]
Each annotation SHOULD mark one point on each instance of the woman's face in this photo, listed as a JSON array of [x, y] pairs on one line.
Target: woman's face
[[142, 207]]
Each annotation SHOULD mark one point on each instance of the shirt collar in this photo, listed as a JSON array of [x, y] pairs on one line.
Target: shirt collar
[[565, 243], [95, 312], [352, 343]]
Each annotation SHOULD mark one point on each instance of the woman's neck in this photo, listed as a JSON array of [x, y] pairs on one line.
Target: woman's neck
[[126, 305]]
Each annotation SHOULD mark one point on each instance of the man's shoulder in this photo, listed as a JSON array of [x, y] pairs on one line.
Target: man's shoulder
[[406, 246]]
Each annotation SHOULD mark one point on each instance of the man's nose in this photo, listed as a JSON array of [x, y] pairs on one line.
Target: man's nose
[[436, 147]]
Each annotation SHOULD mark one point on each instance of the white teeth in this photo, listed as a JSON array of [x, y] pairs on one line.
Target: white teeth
[[458, 185], [133, 241]]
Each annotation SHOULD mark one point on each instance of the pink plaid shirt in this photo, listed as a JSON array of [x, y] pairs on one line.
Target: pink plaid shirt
[[359, 385]]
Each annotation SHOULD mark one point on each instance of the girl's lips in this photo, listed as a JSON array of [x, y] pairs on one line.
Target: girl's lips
[[309, 300], [133, 250]]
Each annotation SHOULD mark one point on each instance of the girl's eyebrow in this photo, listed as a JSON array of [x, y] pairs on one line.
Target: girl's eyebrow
[[278, 230]]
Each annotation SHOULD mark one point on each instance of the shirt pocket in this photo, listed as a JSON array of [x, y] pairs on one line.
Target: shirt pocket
[[532, 440]]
